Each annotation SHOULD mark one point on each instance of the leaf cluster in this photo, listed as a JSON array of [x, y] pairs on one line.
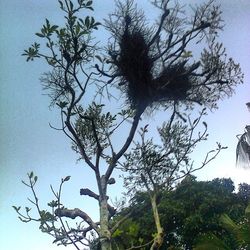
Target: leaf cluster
[[69, 44], [48, 219], [94, 128], [153, 166]]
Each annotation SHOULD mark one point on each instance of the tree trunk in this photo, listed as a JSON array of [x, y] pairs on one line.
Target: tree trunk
[[158, 240], [104, 235]]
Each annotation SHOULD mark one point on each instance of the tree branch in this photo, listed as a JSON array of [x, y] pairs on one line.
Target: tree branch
[[126, 144], [76, 212], [86, 191]]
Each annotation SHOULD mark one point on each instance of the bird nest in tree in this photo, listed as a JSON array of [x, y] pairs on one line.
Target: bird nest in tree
[[174, 83], [135, 64]]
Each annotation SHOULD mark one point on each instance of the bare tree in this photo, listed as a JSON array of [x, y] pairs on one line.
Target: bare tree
[[151, 65]]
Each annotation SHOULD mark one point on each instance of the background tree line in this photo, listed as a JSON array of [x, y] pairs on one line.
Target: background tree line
[[190, 212]]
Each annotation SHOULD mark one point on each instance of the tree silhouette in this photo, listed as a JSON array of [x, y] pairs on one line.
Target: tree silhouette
[[151, 65]]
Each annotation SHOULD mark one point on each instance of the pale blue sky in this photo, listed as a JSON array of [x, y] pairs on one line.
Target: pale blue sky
[[27, 143]]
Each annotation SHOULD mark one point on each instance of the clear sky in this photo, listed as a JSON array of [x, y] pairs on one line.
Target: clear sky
[[27, 143]]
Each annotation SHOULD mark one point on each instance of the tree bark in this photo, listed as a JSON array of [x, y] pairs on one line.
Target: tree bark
[[104, 233], [158, 240]]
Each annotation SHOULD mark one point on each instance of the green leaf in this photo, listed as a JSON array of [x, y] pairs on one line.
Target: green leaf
[[95, 25], [98, 23], [67, 178], [39, 34], [36, 45], [61, 4], [71, 6], [47, 23], [31, 174], [54, 27], [247, 211], [89, 3], [195, 121], [51, 62], [87, 21], [78, 28], [99, 58], [117, 233], [92, 21]]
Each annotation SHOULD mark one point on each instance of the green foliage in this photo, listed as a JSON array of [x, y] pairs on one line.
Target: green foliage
[[152, 165], [190, 213], [49, 221], [94, 128], [127, 234], [247, 211], [238, 235], [71, 40], [244, 192], [156, 167], [47, 30], [32, 52], [210, 241]]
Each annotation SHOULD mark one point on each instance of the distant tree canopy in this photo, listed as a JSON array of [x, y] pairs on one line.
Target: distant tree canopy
[[190, 210]]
